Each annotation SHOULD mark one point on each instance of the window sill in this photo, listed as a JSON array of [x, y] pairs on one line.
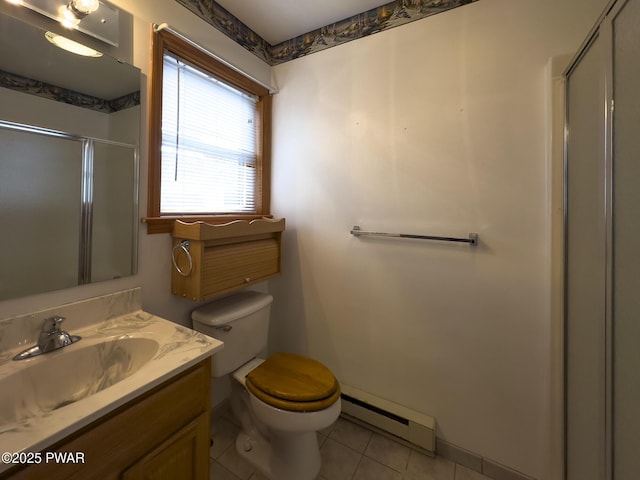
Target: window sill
[[164, 224]]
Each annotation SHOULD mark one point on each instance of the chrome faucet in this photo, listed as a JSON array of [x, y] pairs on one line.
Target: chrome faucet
[[51, 338]]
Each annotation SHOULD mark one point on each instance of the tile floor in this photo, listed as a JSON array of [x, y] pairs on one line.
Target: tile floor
[[349, 452]]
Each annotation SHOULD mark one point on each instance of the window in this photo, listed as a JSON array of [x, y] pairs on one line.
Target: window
[[209, 153]]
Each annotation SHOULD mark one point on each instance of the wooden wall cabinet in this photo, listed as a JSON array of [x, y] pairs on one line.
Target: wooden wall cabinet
[[210, 260], [163, 435]]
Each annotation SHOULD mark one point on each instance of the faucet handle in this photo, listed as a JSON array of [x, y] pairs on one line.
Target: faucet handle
[[52, 324]]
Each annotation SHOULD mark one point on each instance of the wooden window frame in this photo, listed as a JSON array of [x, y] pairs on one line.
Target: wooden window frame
[[162, 41]]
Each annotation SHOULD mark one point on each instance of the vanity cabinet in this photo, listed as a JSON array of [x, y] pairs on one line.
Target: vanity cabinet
[[164, 434]]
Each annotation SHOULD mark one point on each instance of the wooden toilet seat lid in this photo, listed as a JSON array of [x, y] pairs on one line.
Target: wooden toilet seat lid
[[293, 382]]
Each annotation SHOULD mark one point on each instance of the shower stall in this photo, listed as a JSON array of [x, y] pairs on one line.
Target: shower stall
[[68, 207], [602, 250]]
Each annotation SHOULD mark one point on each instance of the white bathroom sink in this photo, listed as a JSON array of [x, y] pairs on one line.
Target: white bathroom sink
[[53, 380], [46, 398]]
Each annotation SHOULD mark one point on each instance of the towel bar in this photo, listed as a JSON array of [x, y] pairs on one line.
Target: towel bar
[[472, 240]]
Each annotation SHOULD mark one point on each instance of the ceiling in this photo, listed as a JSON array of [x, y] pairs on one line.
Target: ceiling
[[280, 20]]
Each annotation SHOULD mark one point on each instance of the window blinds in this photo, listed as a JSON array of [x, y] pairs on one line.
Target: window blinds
[[208, 143]]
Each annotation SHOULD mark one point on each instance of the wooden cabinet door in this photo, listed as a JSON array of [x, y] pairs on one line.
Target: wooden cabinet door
[[183, 456]]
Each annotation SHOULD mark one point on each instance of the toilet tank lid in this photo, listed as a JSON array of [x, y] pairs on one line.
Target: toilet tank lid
[[231, 308]]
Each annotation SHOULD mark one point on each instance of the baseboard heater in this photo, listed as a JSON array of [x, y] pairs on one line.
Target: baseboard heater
[[412, 426]]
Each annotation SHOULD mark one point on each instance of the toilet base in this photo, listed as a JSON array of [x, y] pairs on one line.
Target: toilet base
[[255, 451], [285, 457]]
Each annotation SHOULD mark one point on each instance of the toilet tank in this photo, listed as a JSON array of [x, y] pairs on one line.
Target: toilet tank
[[241, 321]]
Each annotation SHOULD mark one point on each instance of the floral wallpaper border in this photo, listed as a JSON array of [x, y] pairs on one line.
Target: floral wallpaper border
[[59, 94], [376, 20]]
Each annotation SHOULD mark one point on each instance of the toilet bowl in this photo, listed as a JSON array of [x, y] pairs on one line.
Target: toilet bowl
[[281, 401]]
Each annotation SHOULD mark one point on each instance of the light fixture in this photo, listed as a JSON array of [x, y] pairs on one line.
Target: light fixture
[[71, 46], [96, 18], [82, 8], [68, 19], [76, 10]]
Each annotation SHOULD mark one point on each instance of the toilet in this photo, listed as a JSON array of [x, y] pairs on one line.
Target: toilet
[[281, 401]]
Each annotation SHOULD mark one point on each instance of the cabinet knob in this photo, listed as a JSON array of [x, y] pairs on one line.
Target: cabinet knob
[[247, 279]]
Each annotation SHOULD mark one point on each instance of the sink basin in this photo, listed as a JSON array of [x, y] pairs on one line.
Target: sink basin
[[51, 381]]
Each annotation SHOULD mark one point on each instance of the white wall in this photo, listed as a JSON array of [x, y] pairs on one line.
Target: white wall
[[437, 127]]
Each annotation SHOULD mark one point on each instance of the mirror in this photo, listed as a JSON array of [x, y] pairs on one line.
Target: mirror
[[69, 135]]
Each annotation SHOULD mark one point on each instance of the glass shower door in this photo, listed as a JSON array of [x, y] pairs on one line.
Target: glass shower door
[[39, 212], [602, 262], [626, 240]]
